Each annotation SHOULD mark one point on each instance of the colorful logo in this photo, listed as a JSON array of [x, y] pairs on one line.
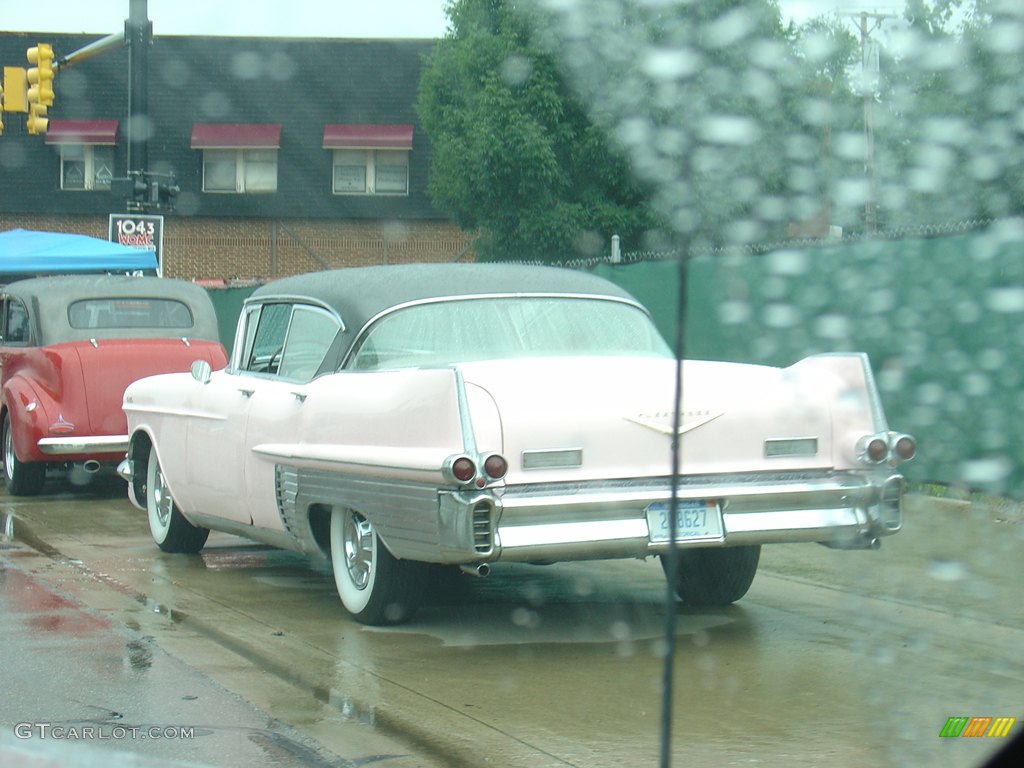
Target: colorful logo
[[994, 727]]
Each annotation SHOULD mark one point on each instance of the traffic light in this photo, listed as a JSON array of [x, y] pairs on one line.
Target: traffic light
[[15, 90], [40, 74], [36, 122]]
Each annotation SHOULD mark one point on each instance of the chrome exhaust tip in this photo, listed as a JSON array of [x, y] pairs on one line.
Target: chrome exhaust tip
[[480, 570], [91, 466]]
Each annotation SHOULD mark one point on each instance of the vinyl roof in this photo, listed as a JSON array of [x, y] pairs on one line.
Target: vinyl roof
[[360, 294], [48, 299]]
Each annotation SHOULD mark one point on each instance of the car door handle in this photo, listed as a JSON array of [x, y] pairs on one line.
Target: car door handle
[[300, 396], [246, 392]]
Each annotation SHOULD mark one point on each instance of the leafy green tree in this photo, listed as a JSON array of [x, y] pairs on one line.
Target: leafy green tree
[[950, 141], [515, 154], [709, 100]]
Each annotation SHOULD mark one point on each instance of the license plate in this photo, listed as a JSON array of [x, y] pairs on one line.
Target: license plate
[[696, 520]]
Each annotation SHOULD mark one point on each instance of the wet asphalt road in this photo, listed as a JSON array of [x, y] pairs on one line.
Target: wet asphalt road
[[839, 658]]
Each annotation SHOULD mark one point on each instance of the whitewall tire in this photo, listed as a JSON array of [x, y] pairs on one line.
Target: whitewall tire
[[171, 531], [374, 586]]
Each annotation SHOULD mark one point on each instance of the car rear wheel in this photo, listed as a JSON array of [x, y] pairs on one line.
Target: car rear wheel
[[714, 576], [374, 586], [22, 478], [171, 531]]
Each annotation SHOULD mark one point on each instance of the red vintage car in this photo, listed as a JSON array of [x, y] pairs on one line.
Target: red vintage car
[[70, 346]]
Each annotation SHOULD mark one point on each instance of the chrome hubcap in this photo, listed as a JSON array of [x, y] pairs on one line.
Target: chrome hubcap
[[161, 498], [358, 549], [8, 452]]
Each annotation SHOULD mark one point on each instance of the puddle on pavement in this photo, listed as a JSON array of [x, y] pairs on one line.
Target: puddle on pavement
[[489, 625]]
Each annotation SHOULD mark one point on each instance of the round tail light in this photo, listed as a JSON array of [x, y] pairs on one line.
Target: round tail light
[[905, 447], [495, 466], [463, 469], [877, 450]]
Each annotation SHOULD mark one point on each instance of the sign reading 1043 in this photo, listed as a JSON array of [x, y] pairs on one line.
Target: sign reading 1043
[[139, 231]]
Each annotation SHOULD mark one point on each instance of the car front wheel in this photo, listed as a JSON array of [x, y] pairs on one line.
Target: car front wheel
[[374, 586], [22, 478], [714, 576], [171, 531]]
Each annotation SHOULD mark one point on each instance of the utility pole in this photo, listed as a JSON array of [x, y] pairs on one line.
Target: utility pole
[[142, 189], [138, 34], [868, 22], [145, 190]]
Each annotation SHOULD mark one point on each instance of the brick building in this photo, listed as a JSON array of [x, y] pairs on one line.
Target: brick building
[[291, 154]]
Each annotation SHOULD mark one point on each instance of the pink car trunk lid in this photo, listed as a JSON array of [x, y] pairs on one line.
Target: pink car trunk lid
[[582, 419]]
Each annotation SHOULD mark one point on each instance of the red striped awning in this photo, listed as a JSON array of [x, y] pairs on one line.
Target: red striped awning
[[82, 132], [235, 135], [367, 137]]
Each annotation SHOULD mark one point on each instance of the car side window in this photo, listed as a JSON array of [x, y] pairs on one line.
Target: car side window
[[15, 322], [263, 354], [310, 334]]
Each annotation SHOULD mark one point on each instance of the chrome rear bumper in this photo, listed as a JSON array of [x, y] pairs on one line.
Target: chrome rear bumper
[[577, 522], [80, 446]]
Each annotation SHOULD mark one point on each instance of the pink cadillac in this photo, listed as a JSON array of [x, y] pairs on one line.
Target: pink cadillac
[[392, 417]]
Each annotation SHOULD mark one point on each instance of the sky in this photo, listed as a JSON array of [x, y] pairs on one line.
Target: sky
[[293, 18], [239, 18]]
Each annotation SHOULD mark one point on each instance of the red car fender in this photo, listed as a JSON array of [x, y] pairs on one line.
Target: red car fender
[[29, 417]]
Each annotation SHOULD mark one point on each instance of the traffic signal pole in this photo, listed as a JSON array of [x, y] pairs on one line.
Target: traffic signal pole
[[30, 90], [138, 33]]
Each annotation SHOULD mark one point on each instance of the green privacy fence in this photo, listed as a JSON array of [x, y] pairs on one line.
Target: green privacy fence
[[940, 319], [228, 303]]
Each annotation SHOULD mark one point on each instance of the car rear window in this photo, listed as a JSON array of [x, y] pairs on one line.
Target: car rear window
[[129, 313], [454, 331]]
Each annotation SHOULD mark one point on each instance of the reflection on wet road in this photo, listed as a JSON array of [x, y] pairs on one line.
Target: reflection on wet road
[[850, 658], [76, 684]]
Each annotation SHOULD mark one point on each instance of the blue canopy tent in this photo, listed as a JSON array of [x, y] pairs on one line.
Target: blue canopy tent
[[25, 253]]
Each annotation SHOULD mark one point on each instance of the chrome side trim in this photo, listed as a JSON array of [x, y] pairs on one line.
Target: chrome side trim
[[877, 411], [60, 446], [775, 447], [552, 458], [404, 514], [286, 486], [465, 422], [290, 298]]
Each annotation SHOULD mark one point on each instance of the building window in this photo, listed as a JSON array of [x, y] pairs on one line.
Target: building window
[[371, 172], [86, 153], [85, 167], [350, 171], [391, 172], [238, 158], [239, 170], [369, 159]]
